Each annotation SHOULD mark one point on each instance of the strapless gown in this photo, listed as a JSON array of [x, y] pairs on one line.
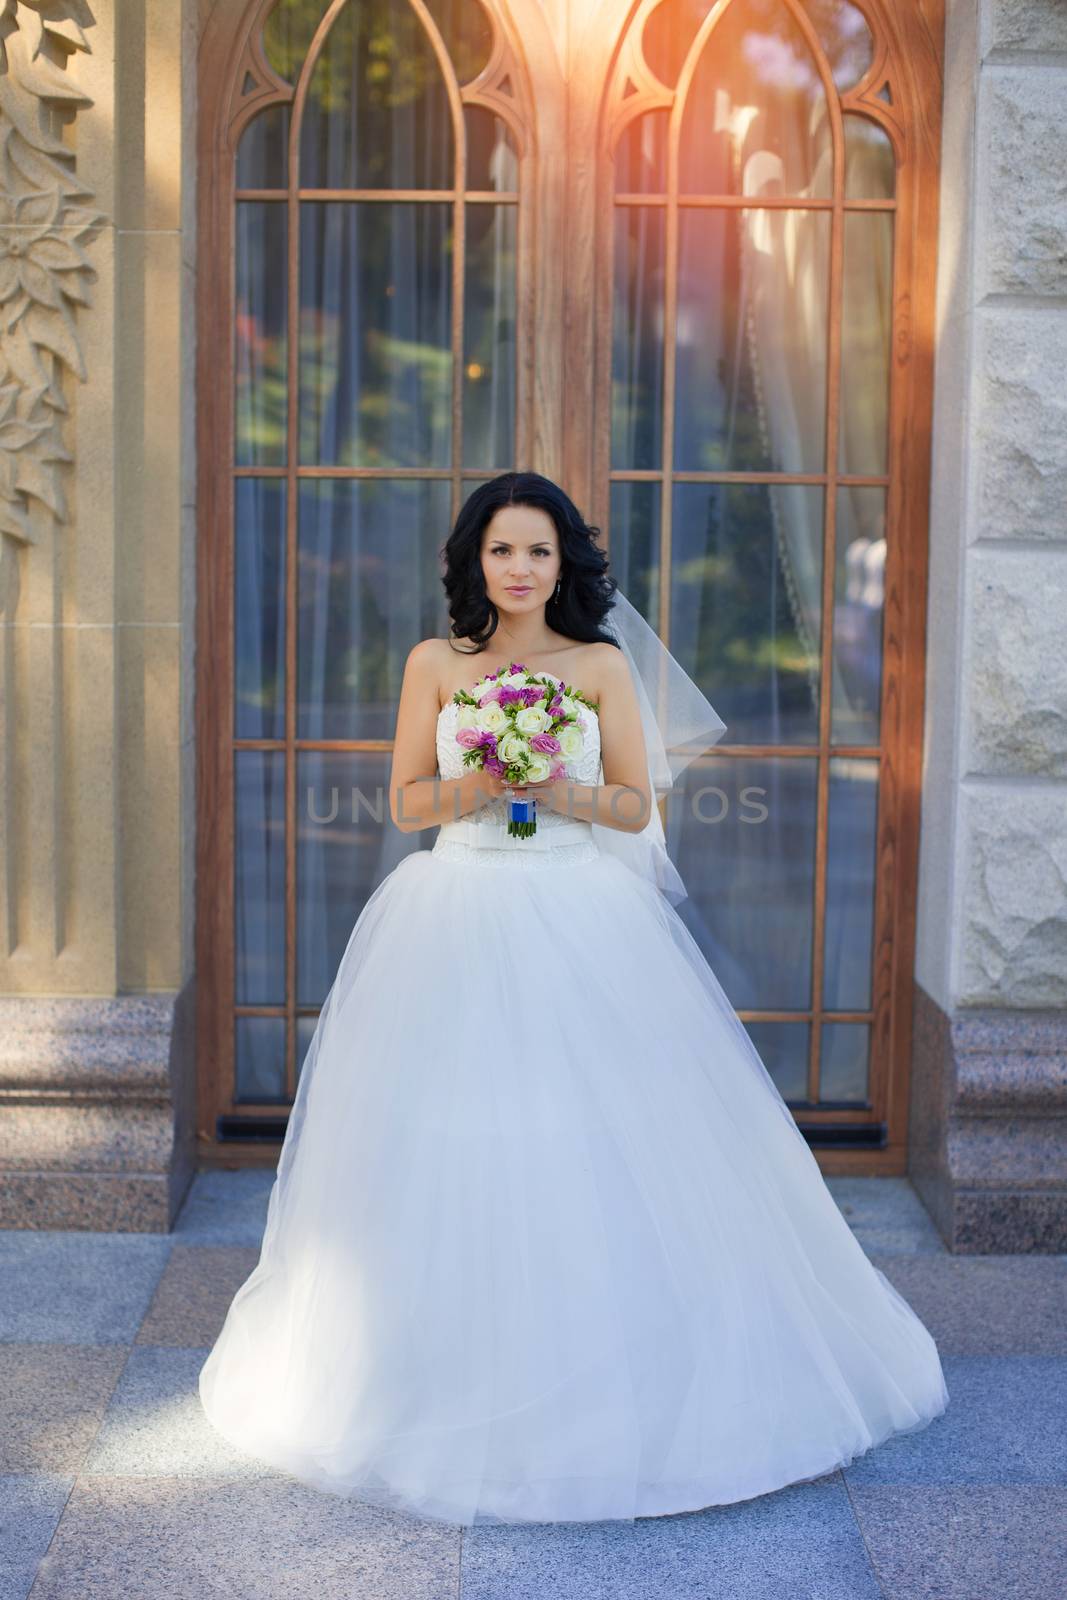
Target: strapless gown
[[545, 1242]]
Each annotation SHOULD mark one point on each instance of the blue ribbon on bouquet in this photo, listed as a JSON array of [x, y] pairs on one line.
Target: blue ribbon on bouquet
[[522, 817]]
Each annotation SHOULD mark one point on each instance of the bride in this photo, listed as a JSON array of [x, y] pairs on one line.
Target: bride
[[545, 1242]]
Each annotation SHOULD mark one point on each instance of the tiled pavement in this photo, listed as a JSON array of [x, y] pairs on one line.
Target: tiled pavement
[[112, 1483]]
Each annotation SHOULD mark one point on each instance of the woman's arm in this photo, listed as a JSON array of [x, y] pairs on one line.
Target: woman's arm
[[418, 798], [623, 800]]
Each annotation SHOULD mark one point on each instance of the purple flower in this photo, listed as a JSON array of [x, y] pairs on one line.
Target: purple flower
[[495, 766], [547, 743]]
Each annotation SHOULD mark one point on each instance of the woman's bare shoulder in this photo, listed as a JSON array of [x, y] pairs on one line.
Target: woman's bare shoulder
[[604, 665]]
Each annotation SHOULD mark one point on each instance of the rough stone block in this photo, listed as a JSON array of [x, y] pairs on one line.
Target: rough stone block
[[1021, 436], [1021, 233], [1013, 863]]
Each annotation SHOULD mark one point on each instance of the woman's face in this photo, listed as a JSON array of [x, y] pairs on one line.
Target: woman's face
[[520, 558]]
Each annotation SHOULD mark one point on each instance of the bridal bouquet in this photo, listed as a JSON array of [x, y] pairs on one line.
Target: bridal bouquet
[[523, 727]]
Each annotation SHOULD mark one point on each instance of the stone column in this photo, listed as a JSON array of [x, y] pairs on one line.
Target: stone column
[[989, 1089], [96, 583]]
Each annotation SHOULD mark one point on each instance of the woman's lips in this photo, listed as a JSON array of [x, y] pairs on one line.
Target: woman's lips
[[519, 588]]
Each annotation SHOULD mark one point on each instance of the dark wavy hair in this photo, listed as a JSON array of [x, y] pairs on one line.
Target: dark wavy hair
[[586, 588]]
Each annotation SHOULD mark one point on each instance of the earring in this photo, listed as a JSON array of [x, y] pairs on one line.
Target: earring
[[556, 590]]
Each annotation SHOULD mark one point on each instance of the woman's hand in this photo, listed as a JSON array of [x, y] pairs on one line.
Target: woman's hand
[[551, 793]]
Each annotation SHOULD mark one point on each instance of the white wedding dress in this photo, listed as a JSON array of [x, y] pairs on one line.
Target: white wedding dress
[[545, 1242]]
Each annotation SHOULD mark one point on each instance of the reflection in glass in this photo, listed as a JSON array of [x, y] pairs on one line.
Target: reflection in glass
[[263, 153], [742, 831], [633, 538], [288, 30], [259, 608], [305, 1032], [751, 335], [858, 612], [377, 114], [746, 575], [668, 34], [375, 333], [866, 314], [260, 333], [843, 1062], [846, 38], [467, 34], [641, 155], [492, 160], [850, 871], [489, 336], [342, 808], [637, 337], [755, 119], [259, 877], [784, 1047], [870, 169], [368, 588], [259, 1057]]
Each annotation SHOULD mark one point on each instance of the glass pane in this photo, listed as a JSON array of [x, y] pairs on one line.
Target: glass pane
[[742, 832], [669, 33], [870, 171], [850, 871], [368, 588], [342, 808], [305, 1032], [489, 337], [641, 155], [751, 333], [466, 33], [263, 153], [745, 610], [492, 160], [846, 38], [375, 334], [861, 551], [637, 337], [288, 30], [866, 311], [259, 877], [259, 608], [843, 1069], [260, 333], [755, 119], [633, 539], [377, 113], [784, 1048], [259, 1057]]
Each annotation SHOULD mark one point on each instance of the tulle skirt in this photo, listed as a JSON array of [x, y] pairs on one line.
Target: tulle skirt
[[545, 1243]]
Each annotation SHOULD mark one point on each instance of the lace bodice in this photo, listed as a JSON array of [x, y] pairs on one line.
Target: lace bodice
[[588, 769]]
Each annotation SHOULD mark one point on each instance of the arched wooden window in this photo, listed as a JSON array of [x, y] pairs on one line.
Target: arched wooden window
[[364, 374], [765, 457], [677, 254]]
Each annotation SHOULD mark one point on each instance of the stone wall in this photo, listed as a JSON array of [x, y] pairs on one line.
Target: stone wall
[[97, 593], [992, 936]]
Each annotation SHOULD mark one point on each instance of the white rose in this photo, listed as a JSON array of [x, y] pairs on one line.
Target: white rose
[[513, 750], [539, 768], [513, 680], [568, 705], [491, 718], [571, 742], [468, 717], [531, 720]]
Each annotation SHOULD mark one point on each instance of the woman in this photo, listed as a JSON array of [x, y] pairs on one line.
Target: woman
[[545, 1242]]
